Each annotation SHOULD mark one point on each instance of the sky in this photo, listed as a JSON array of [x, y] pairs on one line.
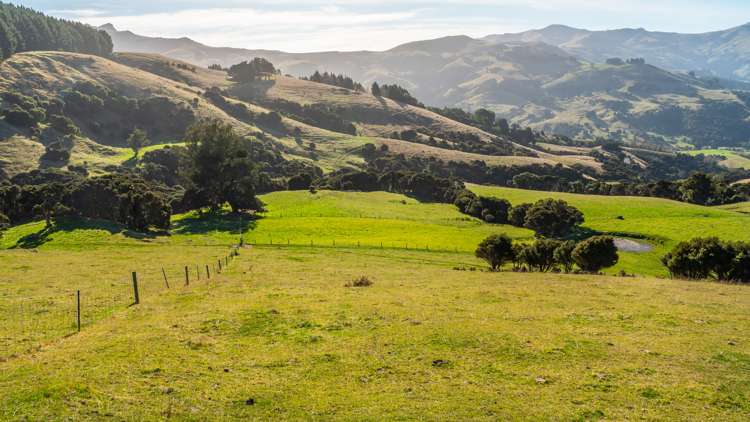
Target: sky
[[348, 25]]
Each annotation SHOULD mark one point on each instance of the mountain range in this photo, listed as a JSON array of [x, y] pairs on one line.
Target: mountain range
[[558, 79]]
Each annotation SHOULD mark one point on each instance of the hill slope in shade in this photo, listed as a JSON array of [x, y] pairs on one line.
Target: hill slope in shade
[[175, 91], [720, 53], [530, 81]]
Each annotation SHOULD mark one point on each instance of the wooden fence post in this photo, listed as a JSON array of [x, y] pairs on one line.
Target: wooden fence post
[[164, 273], [219, 266], [187, 276], [208, 272], [135, 289], [78, 302], [198, 272]]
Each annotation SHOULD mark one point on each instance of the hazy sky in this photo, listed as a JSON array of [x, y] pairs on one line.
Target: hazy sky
[[314, 25]]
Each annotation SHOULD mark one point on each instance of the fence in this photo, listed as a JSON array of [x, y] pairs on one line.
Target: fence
[[26, 323], [354, 244]]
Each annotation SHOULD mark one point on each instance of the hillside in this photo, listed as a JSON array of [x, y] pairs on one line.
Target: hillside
[[525, 79], [137, 90], [725, 54]]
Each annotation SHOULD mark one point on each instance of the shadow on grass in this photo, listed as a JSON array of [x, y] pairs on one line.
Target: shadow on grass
[[43, 236], [221, 221]]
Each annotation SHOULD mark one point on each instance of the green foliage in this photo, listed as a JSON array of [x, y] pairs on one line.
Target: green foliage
[[596, 253], [703, 258], [52, 194], [496, 250], [540, 255], [336, 80], [552, 218], [564, 255], [63, 125], [517, 214], [489, 209], [137, 140], [255, 69], [23, 29], [221, 169]]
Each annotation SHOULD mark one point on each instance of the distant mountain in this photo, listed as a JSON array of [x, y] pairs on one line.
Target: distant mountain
[[722, 53], [527, 79]]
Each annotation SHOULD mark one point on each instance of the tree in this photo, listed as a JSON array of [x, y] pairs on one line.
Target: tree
[[301, 181], [496, 250], [375, 89], [702, 258], [564, 255], [137, 140], [221, 169], [540, 255], [595, 253], [697, 189], [517, 214], [484, 117], [255, 69], [552, 218]]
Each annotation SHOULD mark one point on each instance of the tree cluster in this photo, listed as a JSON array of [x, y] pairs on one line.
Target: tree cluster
[[705, 258], [50, 194], [23, 29], [249, 71], [544, 255], [333, 79], [395, 93]]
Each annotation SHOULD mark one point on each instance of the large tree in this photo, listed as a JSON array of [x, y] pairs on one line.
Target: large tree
[[137, 140], [496, 250], [221, 168], [552, 218]]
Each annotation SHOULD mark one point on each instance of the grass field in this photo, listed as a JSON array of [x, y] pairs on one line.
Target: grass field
[[279, 337], [743, 207], [732, 159], [660, 222]]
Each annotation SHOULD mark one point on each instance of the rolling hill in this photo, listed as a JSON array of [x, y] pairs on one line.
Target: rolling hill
[[725, 54], [107, 98], [529, 81]]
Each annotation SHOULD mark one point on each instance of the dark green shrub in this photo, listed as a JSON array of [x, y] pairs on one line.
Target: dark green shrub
[[63, 125], [552, 218], [496, 250], [596, 253], [517, 214], [540, 255], [564, 255], [703, 258]]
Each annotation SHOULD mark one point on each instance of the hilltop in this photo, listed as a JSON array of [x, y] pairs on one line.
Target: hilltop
[[725, 53], [164, 87], [526, 79]]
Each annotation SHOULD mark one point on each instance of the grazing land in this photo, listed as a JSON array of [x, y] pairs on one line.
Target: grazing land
[[731, 159], [659, 222], [278, 336]]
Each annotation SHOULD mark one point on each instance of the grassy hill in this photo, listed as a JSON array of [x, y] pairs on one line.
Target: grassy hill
[[729, 159], [276, 335], [179, 88], [535, 81]]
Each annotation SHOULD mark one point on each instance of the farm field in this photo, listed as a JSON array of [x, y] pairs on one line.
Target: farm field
[[732, 158], [659, 222], [743, 207], [278, 336]]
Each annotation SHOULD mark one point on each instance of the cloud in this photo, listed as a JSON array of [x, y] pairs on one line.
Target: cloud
[[314, 25], [325, 28]]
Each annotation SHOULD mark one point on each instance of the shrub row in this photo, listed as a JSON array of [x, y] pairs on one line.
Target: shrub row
[[591, 255]]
